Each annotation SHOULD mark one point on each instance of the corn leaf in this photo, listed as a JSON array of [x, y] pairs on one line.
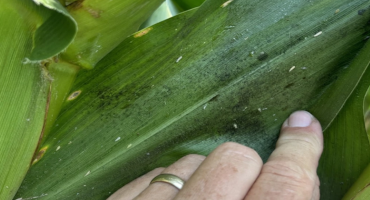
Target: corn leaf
[[50, 39], [24, 84], [102, 26], [162, 13], [228, 71], [95, 38], [360, 190], [178, 6], [347, 149], [33, 85]]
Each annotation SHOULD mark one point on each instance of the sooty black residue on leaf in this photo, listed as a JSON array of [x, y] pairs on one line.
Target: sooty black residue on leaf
[[361, 12]]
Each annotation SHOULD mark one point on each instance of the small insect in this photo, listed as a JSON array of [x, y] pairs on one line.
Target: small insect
[[317, 34], [178, 60]]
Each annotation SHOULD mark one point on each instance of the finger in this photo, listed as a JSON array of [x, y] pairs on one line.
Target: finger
[[290, 172], [227, 173], [316, 190], [182, 168], [135, 187]]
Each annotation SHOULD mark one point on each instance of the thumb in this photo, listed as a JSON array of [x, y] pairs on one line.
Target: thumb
[[290, 172]]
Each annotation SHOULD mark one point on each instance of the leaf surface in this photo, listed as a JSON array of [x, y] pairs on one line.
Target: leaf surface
[[162, 13], [95, 38], [178, 6], [55, 33], [24, 85], [102, 26], [346, 145], [228, 71]]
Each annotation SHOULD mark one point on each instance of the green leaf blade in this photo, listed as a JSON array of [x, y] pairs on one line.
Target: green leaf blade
[[347, 143], [138, 110], [55, 33], [178, 6], [360, 190], [23, 91], [102, 26], [346, 147]]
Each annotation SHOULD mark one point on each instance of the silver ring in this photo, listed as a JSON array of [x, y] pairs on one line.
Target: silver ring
[[170, 179]]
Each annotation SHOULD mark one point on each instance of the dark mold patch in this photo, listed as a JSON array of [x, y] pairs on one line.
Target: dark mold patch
[[246, 125], [361, 12]]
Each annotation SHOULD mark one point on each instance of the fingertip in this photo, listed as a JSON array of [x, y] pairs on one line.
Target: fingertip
[[303, 123], [290, 172], [299, 118]]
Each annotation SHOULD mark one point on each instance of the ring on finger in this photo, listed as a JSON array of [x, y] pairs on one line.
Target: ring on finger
[[170, 179]]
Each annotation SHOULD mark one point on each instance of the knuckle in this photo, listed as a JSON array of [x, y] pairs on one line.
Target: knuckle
[[192, 157], [305, 140], [158, 169], [312, 142], [238, 151], [290, 175]]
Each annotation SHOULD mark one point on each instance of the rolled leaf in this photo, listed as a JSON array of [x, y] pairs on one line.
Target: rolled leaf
[[178, 6], [102, 26], [55, 33], [24, 85]]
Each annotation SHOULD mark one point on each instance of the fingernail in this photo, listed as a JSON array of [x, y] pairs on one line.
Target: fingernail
[[300, 119]]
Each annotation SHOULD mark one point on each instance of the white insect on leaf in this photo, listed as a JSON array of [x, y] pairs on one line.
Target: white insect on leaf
[[226, 3], [178, 60], [87, 173], [317, 34]]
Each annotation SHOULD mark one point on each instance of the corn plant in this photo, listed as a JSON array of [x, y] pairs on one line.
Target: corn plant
[[93, 94]]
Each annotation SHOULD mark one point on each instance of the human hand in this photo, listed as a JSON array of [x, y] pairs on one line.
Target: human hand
[[233, 171]]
